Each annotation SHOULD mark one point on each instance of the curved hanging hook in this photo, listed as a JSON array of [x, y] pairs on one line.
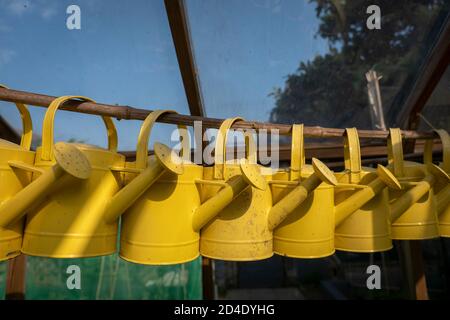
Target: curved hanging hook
[[221, 147], [27, 125], [48, 127], [144, 137], [352, 154]]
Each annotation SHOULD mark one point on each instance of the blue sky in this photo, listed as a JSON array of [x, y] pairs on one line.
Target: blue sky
[[124, 54]]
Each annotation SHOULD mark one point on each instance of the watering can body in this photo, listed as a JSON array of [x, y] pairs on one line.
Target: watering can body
[[69, 222], [367, 229], [308, 232], [12, 181], [157, 228], [240, 231], [417, 219]]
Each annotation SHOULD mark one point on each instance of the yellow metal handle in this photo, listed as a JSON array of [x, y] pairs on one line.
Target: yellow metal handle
[[27, 126], [48, 127], [144, 137], [395, 151], [428, 151], [352, 154], [297, 152], [221, 147]]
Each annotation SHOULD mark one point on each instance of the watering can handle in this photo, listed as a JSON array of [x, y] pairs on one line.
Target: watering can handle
[[428, 152], [27, 126], [395, 151], [48, 127], [221, 147], [144, 137], [297, 152], [352, 154]]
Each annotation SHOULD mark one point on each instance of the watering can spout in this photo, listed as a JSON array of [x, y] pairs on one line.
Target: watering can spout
[[69, 162], [290, 202], [166, 161], [418, 190], [361, 197], [233, 187]]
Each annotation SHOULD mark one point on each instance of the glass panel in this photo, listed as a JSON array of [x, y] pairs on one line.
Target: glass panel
[[437, 108], [3, 268], [305, 61], [123, 54], [110, 277]]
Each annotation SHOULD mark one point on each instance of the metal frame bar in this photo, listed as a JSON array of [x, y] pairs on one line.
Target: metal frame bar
[[179, 26]]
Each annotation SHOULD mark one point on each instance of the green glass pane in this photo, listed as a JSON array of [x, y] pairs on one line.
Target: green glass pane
[[110, 277], [3, 266]]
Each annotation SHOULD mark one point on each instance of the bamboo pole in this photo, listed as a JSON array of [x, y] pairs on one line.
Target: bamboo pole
[[127, 112]]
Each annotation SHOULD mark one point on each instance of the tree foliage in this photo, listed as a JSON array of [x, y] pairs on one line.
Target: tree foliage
[[330, 90]]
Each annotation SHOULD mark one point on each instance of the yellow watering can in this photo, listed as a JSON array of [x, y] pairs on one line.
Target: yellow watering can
[[442, 186], [362, 209], [243, 230], [163, 225], [302, 205], [12, 180], [240, 230], [154, 227], [414, 211], [67, 223]]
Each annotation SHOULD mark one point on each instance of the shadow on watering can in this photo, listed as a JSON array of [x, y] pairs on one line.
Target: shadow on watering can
[[442, 185], [414, 211], [243, 231], [12, 180], [303, 198], [68, 222]]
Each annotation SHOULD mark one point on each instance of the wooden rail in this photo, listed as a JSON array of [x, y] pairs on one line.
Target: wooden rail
[[127, 112]]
